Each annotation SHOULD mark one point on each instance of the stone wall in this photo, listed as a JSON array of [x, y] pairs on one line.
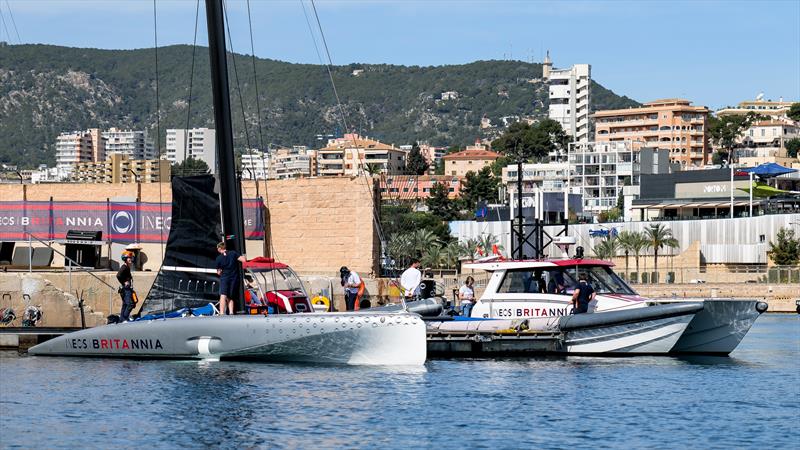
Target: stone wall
[[317, 224]]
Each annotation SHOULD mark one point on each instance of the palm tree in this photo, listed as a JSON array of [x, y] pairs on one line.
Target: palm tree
[[659, 236], [638, 244], [453, 252], [424, 240], [606, 249], [372, 169], [625, 239], [433, 257]]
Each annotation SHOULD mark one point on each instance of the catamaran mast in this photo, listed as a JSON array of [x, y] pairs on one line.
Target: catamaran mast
[[230, 186]]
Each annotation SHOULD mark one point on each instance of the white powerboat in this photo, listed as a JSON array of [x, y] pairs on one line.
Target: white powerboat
[[540, 291]]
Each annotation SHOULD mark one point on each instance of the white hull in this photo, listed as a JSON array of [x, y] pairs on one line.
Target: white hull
[[656, 336], [337, 338], [719, 327]]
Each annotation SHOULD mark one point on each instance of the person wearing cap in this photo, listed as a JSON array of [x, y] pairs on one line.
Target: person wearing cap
[[351, 283], [126, 289]]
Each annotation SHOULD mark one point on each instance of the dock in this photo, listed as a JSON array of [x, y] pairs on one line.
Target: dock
[[23, 338], [493, 343]]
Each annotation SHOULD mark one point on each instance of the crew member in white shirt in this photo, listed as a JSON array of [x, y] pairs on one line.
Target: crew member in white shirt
[[351, 282], [467, 296], [411, 279]]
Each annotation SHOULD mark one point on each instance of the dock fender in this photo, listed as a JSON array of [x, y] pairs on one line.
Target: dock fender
[[761, 307]]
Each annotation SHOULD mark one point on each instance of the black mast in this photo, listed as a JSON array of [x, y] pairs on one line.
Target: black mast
[[229, 184]]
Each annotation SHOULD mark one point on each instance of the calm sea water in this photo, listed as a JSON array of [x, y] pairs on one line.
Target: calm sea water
[[750, 399]]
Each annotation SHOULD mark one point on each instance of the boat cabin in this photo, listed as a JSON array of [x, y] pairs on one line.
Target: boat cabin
[[273, 287]]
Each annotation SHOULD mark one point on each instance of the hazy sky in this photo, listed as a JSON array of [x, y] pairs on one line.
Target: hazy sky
[[714, 53]]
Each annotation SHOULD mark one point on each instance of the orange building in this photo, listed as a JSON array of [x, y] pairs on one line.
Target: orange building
[[672, 124], [474, 158], [417, 187]]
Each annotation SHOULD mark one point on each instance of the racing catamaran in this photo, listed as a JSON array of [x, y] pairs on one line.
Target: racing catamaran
[[175, 323]]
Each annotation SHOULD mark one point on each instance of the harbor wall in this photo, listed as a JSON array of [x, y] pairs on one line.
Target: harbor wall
[[317, 224]]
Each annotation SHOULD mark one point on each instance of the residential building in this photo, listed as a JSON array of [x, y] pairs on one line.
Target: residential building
[[46, 174], [473, 158], [278, 164], [772, 110], [570, 96], [765, 141], [137, 145], [79, 146], [119, 168], [352, 154], [417, 187], [198, 143], [672, 124]]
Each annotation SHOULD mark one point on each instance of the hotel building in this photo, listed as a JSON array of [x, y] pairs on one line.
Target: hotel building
[[350, 155]]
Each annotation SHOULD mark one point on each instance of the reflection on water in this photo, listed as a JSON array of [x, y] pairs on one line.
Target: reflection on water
[[745, 400]]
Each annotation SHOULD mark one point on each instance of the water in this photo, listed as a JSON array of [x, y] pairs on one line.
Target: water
[[751, 399]]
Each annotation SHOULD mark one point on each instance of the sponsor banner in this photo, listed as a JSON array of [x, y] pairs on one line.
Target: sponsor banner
[[119, 222]]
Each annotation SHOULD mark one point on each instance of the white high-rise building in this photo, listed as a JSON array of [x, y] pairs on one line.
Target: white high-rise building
[[198, 143], [133, 143], [570, 94], [78, 147]]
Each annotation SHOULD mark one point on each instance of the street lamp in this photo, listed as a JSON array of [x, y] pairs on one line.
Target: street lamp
[[731, 186]]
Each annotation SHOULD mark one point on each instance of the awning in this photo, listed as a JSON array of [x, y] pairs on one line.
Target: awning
[[643, 206]]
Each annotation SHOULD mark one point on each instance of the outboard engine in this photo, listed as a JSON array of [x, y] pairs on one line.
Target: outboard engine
[[427, 289]]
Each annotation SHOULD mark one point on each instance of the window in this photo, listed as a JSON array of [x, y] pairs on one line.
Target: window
[[518, 281]]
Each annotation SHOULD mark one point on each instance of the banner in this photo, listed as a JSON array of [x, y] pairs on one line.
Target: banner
[[119, 222]]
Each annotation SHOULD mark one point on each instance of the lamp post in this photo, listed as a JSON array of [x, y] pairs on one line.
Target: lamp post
[[138, 184]]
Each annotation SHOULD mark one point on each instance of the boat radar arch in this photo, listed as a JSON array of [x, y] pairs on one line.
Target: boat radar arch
[[563, 243]]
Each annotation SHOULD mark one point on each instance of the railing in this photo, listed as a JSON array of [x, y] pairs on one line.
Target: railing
[[68, 268]]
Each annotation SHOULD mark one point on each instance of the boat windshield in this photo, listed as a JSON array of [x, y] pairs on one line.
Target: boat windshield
[[602, 279], [278, 280]]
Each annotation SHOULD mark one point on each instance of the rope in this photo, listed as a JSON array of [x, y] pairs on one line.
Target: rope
[[158, 130], [13, 23]]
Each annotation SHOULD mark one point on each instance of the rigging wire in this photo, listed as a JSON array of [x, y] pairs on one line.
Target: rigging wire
[[3, 22], [236, 74], [158, 130], [370, 188], [311, 32], [191, 83], [13, 23]]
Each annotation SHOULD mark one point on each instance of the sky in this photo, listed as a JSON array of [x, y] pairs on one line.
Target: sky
[[714, 53]]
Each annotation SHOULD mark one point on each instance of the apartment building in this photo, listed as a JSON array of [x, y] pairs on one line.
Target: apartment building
[[136, 144], [673, 125], [198, 143], [473, 158], [765, 141], [417, 187], [768, 108], [570, 95], [352, 154], [119, 168], [77, 147], [296, 162]]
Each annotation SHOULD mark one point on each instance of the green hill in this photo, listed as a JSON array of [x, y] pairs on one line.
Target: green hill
[[45, 90]]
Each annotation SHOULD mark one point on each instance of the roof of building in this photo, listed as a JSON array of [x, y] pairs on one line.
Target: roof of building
[[472, 155], [672, 103], [361, 143]]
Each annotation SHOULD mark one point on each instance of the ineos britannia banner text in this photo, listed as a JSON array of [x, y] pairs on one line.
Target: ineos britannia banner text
[[119, 222]]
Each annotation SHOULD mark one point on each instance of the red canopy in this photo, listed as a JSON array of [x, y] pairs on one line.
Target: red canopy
[[262, 263]]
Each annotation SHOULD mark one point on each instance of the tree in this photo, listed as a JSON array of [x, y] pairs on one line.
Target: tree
[[794, 112], [659, 236], [606, 249], [478, 186], [785, 251], [439, 168], [372, 169], [531, 142], [725, 131], [793, 145], [638, 245], [440, 204], [626, 241], [416, 163], [499, 163], [189, 167]]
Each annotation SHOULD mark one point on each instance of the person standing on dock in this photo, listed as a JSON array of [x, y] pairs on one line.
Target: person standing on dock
[[351, 282], [584, 293], [411, 279], [126, 289], [228, 271]]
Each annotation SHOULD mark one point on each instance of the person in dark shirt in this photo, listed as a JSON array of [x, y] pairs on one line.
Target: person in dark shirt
[[228, 271], [126, 290], [584, 293]]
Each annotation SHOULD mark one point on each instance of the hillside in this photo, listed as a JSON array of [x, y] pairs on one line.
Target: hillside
[[46, 89]]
